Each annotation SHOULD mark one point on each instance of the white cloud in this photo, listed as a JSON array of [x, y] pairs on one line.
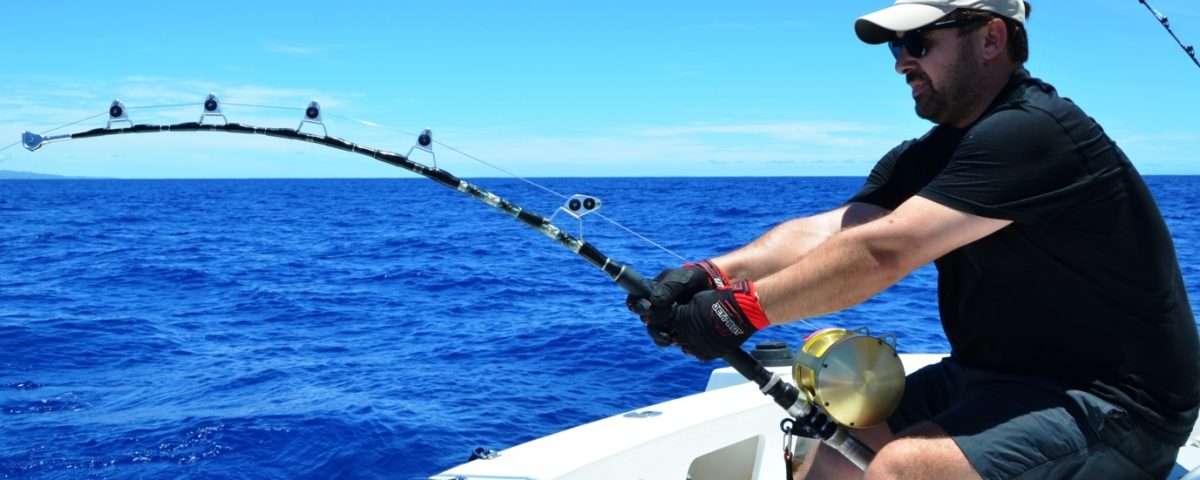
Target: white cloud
[[754, 149], [725, 26], [825, 132], [323, 53], [273, 47]]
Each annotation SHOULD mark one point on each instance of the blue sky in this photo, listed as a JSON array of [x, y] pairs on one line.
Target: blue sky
[[545, 88]]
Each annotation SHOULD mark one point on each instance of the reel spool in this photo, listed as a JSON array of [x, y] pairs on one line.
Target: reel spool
[[855, 378]]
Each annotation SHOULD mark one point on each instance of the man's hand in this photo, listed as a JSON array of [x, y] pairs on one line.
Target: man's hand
[[671, 287], [715, 322]]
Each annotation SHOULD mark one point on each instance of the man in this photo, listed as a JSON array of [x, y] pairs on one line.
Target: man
[[1073, 345]]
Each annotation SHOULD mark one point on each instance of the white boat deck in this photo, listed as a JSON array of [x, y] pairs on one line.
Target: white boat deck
[[729, 431]]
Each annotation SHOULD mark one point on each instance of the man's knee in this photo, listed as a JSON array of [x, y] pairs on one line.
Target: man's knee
[[896, 460], [933, 455]]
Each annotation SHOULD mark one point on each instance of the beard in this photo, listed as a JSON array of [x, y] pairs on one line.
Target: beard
[[958, 94]]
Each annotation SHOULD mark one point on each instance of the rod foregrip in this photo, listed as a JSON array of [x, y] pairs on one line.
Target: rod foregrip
[[628, 278], [748, 366], [784, 394]]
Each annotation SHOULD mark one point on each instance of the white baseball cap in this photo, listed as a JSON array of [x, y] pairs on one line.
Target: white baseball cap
[[905, 15]]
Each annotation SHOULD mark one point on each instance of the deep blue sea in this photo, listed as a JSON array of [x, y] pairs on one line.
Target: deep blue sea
[[364, 328]]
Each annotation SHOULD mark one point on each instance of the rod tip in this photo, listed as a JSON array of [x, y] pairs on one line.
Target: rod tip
[[32, 141]]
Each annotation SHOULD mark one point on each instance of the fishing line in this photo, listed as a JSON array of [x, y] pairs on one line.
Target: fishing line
[[518, 177], [65, 125], [69, 124], [18, 142], [263, 106], [385, 127], [168, 105], [405, 132], [807, 322]]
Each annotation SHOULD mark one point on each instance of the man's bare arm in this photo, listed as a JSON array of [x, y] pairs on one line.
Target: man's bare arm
[[785, 244], [857, 263]]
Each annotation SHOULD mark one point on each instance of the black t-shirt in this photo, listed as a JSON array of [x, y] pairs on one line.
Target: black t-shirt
[[1084, 285]]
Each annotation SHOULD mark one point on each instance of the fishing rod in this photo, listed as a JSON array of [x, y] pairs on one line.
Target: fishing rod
[[784, 394], [1166, 23]]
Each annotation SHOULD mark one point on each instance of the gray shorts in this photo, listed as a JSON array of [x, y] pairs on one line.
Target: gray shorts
[[1014, 426]]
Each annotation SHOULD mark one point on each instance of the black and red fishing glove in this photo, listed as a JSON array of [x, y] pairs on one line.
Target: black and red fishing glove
[[715, 322], [674, 286]]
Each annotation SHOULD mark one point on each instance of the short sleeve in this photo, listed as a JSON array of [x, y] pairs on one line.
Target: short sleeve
[[904, 170], [1018, 164]]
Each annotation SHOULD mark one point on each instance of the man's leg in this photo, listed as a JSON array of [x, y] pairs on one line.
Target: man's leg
[[1001, 426], [817, 460], [923, 451], [1010, 426]]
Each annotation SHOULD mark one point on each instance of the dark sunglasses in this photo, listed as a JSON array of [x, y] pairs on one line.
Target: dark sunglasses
[[914, 40]]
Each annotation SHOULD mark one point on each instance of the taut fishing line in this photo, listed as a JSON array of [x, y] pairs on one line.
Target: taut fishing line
[[371, 124]]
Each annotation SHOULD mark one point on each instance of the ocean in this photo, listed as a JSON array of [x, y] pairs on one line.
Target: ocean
[[380, 328]]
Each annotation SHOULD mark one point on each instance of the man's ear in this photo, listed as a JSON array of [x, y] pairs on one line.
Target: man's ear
[[995, 39]]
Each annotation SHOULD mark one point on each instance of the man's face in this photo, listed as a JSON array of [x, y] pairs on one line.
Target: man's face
[[944, 80]]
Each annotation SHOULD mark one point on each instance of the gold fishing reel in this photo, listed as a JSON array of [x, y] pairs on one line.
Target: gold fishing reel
[[855, 378]]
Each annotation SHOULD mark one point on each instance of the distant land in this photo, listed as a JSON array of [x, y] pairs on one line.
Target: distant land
[[19, 175]]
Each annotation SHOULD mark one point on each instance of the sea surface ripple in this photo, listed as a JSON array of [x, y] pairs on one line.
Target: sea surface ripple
[[364, 328]]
